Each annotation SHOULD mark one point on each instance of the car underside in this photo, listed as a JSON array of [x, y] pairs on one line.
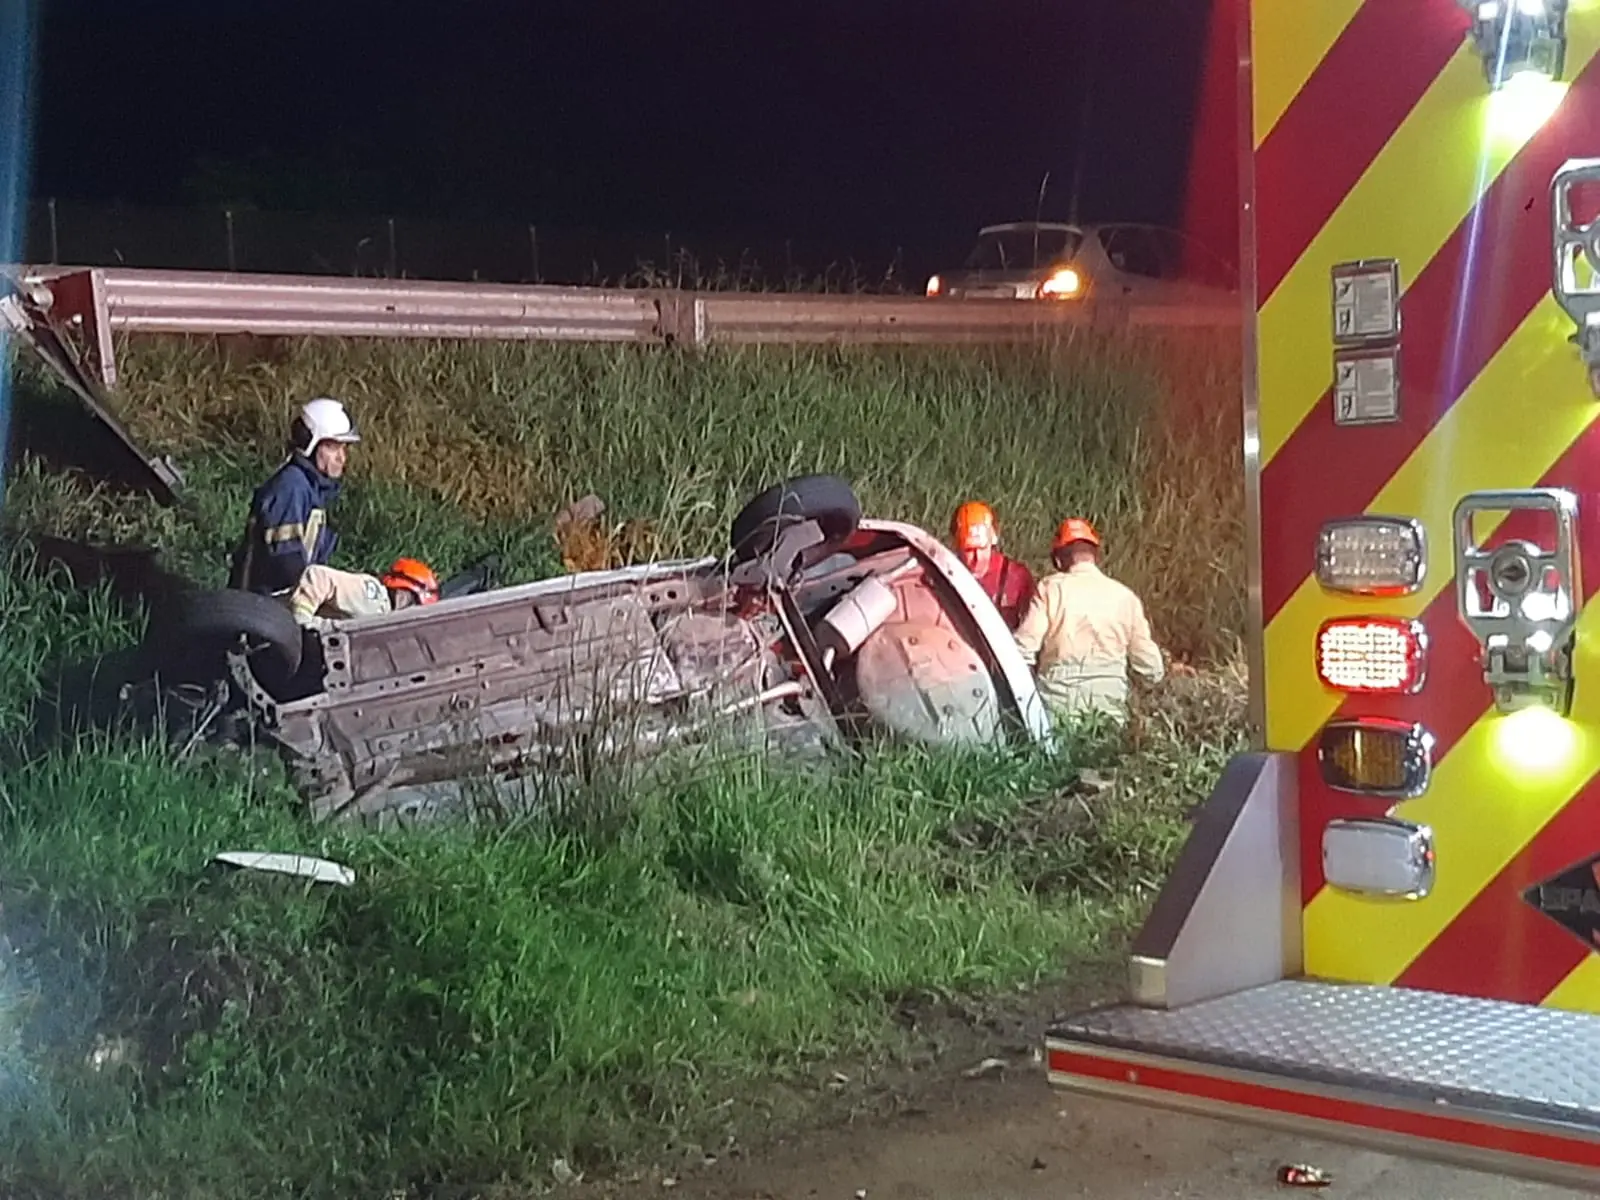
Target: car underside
[[821, 631]]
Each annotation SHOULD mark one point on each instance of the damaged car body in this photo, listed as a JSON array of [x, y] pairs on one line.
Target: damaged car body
[[821, 629]]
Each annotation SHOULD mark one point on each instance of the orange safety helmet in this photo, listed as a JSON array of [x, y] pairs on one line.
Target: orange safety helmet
[[973, 527], [414, 576], [1075, 529]]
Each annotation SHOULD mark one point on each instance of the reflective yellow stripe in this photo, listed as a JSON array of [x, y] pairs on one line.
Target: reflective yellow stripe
[[285, 533], [1427, 179], [1288, 38], [1579, 991], [314, 525], [307, 531], [1471, 448], [1484, 807]]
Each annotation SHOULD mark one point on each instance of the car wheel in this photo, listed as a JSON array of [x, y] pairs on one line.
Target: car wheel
[[826, 499], [192, 638]]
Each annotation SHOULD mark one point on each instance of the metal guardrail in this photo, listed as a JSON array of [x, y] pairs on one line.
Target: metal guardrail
[[104, 300], [358, 308], [769, 319]]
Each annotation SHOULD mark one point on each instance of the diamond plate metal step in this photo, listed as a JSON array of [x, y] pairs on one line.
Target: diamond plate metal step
[[1516, 1059], [1509, 1087]]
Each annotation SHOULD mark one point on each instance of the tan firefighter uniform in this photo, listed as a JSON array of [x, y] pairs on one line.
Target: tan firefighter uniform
[[324, 592], [1082, 634]]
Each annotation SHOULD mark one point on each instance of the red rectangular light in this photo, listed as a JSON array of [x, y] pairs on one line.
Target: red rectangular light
[[1372, 654]]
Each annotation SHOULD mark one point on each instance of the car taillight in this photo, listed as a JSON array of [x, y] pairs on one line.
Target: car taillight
[[1062, 284], [1376, 756], [1372, 654], [1372, 556]]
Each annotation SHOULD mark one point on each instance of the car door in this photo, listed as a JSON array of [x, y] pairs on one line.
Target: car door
[[1136, 260]]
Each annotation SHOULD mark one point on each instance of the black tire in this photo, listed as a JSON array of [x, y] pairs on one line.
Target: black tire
[[826, 499], [192, 638]]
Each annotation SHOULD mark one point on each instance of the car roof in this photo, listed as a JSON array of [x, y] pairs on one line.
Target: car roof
[[1067, 227], [1029, 227]]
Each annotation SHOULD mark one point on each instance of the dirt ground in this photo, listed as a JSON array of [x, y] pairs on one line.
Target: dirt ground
[[1015, 1140], [962, 1127]]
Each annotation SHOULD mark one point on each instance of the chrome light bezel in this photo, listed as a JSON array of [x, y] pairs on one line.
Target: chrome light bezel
[[1413, 628], [1378, 857], [1407, 527], [1418, 760]]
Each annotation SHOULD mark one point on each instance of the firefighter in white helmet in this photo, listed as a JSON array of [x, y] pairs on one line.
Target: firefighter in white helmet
[[287, 530], [1084, 630]]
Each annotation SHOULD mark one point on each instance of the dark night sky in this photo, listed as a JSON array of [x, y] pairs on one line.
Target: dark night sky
[[866, 121]]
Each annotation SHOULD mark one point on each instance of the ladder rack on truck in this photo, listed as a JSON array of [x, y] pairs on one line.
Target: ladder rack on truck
[[1385, 925]]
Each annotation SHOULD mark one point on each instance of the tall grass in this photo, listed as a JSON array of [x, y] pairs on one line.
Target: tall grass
[[481, 1002], [1139, 434]]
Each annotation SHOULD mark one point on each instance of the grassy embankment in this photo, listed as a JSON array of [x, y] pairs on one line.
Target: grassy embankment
[[475, 1006]]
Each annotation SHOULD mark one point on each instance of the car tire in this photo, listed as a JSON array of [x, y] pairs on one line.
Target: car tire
[[828, 500], [193, 637]]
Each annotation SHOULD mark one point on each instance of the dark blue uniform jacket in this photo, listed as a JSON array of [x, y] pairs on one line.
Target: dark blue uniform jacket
[[287, 530]]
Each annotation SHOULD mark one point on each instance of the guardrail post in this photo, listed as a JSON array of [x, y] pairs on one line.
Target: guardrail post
[[233, 260], [55, 235], [675, 318], [78, 299]]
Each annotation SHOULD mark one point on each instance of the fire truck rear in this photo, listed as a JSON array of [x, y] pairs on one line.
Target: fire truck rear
[[1385, 925]]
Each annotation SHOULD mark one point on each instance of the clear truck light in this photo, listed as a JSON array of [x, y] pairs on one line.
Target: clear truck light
[[1372, 654], [1378, 856], [1371, 556], [1376, 756], [1519, 37], [1536, 743]]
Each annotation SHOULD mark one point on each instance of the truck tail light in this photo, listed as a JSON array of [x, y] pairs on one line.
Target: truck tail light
[[1372, 654], [1372, 556], [1379, 856], [1375, 756]]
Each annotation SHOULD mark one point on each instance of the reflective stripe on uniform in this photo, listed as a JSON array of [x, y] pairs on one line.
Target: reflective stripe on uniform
[[279, 534]]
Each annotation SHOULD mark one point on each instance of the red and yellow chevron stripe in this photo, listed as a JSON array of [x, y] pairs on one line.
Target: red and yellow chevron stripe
[[1375, 136]]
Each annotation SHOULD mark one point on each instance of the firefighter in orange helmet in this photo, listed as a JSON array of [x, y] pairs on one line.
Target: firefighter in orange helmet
[[1085, 630], [1009, 583], [323, 593]]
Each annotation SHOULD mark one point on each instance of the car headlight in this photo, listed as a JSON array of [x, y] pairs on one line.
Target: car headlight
[[935, 285], [1062, 284]]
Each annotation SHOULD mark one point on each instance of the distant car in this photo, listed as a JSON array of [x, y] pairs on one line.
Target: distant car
[[1044, 260], [828, 626]]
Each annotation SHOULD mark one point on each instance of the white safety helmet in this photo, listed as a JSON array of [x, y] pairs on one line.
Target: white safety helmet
[[323, 420]]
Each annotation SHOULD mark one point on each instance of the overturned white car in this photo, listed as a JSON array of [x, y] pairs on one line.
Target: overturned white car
[[818, 630]]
